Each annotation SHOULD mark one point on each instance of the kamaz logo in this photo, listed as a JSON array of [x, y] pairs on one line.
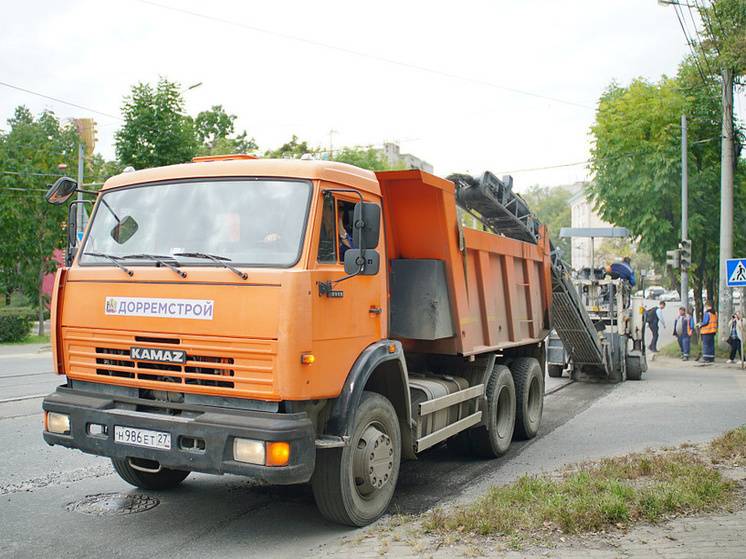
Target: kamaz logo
[[162, 355]]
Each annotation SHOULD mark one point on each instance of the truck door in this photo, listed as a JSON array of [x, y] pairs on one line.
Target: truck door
[[354, 318]]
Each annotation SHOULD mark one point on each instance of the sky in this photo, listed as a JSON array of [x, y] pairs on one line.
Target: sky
[[503, 85]]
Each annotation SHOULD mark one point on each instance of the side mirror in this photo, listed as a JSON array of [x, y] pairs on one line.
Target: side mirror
[[367, 225], [61, 190], [354, 260]]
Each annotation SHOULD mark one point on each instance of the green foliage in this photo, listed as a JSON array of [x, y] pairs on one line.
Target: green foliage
[[293, 149], [724, 35], [15, 324], [366, 158], [214, 129], [636, 162], [592, 497], [552, 207], [30, 228], [156, 130]]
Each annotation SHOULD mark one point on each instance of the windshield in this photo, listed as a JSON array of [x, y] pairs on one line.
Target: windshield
[[250, 222]]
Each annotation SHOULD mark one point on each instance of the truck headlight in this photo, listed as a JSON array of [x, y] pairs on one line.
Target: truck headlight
[[57, 423], [247, 450]]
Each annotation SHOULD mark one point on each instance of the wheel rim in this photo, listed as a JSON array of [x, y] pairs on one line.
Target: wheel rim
[[373, 460], [533, 400], [503, 412]]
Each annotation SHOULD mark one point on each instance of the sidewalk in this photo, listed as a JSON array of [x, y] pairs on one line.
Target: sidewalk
[[713, 536], [23, 350]]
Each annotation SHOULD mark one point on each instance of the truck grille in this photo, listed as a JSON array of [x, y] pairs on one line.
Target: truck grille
[[235, 367]]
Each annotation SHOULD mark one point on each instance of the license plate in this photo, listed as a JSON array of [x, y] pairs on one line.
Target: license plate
[[142, 437]]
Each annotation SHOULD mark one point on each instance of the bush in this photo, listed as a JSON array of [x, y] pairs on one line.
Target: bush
[[15, 323]]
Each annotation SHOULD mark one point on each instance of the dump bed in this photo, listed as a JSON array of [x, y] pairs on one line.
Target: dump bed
[[456, 290]]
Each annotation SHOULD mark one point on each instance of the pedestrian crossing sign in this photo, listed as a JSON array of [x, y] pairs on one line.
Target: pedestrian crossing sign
[[736, 272]]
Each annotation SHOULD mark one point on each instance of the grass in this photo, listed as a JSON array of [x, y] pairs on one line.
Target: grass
[[592, 497], [30, 339], [672, 350], [730, 448]]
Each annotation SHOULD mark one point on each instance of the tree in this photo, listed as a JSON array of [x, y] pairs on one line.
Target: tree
[[552, 207], [215, 128], [31, 229], [636, 163], [156, 130], [366, 158], [290, 150]]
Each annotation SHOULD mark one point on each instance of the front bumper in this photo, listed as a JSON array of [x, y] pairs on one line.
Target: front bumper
[[216, 426]]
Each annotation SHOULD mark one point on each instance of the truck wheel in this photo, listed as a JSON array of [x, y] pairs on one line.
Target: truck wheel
[[353, 485], [529, 390], [494, 439], [164, 478], [634, 367], [555, 371]]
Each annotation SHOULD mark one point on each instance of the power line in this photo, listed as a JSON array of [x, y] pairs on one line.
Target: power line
[[57, 100], [362, 54], [699, 41], [676, 8], [31, 174]]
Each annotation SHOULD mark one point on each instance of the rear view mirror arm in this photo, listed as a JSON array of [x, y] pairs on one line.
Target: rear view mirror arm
[[326, 287]]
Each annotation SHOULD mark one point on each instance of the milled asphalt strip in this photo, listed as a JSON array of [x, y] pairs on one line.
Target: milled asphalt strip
[[21, 398], [558, 388]]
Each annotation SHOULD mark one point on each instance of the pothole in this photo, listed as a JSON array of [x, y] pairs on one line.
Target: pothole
[[113, 504]]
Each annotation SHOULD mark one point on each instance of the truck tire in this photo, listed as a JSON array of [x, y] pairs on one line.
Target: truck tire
[[163, 479], [492, 440], [634, 367], [354, 484], [555, 371], [529, 392]]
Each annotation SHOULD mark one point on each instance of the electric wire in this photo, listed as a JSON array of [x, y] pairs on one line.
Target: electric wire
[[676, 8], [58, 100], [361, 54]]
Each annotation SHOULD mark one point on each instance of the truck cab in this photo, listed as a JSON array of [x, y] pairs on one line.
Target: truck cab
[[291, 321]]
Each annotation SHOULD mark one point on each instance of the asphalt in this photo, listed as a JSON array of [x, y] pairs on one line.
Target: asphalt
[[211, 516]]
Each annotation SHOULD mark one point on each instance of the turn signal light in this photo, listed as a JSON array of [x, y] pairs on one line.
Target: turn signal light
[[278, 453], [307, 358], [392, 348]]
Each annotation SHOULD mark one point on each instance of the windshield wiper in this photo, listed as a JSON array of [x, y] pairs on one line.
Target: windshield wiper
[[113, 259], [161, 260], [222, 260]]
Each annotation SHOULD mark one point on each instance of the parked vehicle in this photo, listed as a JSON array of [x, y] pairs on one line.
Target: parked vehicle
[[296, 321]]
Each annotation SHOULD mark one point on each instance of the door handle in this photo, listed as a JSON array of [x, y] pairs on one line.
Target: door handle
[[375, 310]]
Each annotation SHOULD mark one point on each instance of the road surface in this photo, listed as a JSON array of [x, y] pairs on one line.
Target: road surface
[[43, 490]]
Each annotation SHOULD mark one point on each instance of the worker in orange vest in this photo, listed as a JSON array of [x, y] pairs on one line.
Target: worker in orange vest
[[708, 329]]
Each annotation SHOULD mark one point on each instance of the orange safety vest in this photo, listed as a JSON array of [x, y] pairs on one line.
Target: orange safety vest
[[712, 326]]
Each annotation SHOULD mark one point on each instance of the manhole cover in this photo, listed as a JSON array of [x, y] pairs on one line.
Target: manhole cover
[[113, 504]]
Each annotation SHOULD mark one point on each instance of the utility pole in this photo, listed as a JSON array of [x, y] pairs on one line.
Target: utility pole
[[331, 142], [725, 302], [684, 211], [81, 166]]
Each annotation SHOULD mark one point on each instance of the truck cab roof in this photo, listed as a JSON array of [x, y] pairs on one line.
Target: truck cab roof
[[332, 171]]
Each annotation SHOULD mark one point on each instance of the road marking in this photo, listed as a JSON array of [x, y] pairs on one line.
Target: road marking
[[29, 375], [21, 398], [44, 353]]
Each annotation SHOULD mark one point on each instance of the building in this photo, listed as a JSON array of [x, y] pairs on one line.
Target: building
[[393, 157], [583, 215]]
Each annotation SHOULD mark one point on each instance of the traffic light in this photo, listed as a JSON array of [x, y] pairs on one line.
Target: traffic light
[[673, 258], [685, 253]]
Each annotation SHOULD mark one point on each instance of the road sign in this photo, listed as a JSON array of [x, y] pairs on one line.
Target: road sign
[[736, 272]]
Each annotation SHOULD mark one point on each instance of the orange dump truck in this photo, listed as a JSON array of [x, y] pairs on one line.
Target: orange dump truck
[[292, 321]]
